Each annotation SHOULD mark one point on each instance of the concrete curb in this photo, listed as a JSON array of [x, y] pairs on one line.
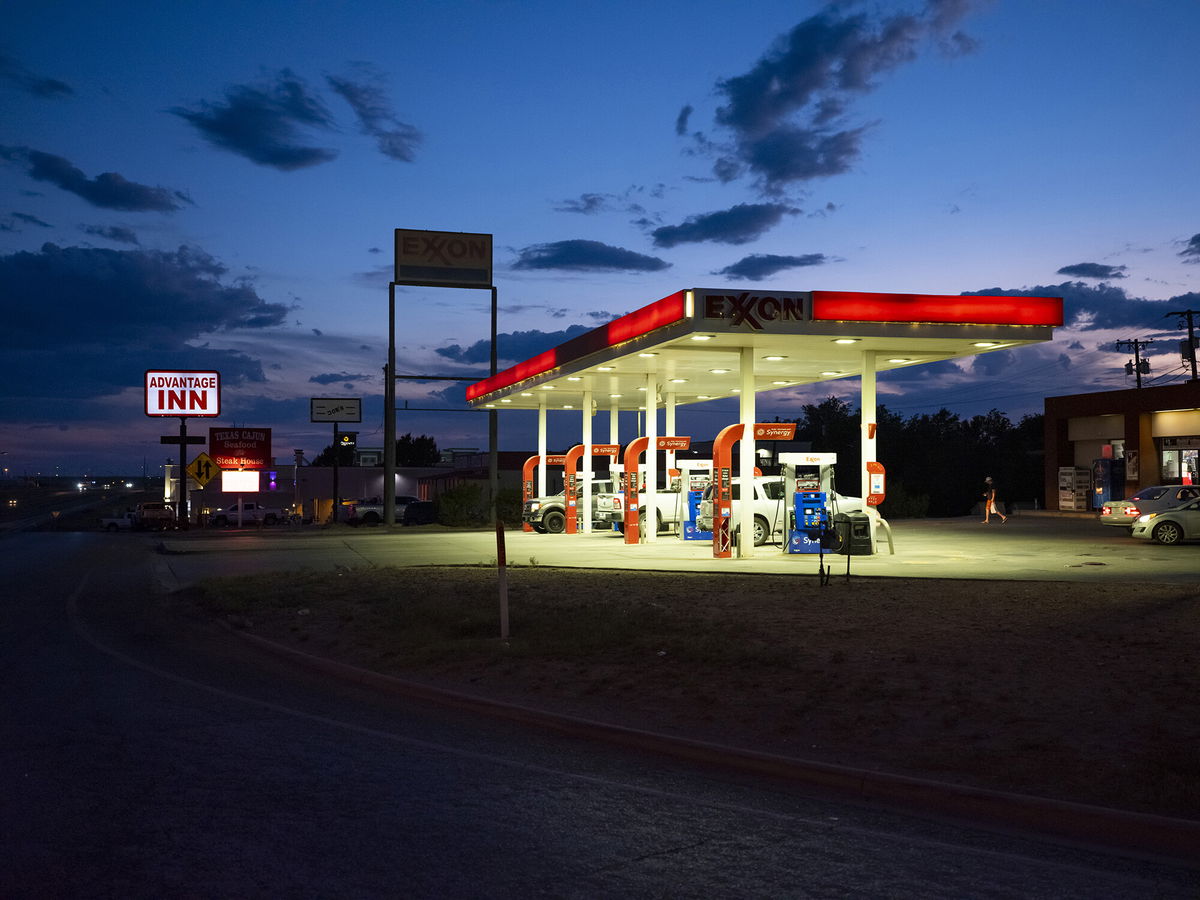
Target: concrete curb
[[1161, 838]]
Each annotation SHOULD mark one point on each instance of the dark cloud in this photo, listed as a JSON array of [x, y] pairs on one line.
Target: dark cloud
[[995, 363], [262, 123], [1098, 271], [739, 225], [107, 190], [681, 121], [82, 322], [14, 73], [395, 139], [586, 256], [511, 347], [117, 233], [782, 114], [758, 266], [1098, 307], [1191, 253], [334, 377], [31, 220], [587, 204]]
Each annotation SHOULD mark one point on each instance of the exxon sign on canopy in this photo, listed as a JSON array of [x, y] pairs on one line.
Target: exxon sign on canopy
[[183, 393]]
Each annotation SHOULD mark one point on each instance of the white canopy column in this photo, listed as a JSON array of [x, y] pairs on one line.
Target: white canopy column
[[746, 454], [587, 462], [650, 521], [867, 420], [541, 447]]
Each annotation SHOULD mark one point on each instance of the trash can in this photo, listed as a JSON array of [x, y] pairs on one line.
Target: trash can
[[853, 533]]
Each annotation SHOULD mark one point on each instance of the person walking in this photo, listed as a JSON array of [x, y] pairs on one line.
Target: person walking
[[989, 501]]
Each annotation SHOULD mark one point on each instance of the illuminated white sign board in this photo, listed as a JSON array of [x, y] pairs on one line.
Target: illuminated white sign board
[[239, 482], [183, 393]]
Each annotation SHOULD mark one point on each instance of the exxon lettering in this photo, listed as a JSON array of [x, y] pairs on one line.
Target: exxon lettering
[[440, 249], [752, 309]]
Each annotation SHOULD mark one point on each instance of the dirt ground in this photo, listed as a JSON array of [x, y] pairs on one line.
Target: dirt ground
[[1075, 691]]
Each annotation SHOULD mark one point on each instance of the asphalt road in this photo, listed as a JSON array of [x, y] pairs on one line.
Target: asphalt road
[[146, 753]]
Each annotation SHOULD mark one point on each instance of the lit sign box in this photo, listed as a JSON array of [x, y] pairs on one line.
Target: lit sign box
[[239, 482], [240, 448], [182, 393]]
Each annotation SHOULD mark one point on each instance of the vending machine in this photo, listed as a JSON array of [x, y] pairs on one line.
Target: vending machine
[[1108, 481]]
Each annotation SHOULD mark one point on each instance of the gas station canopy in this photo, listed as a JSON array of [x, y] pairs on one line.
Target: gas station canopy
[[696, 344]]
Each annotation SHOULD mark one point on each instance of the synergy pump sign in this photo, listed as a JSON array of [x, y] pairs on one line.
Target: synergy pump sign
[[183, 393]]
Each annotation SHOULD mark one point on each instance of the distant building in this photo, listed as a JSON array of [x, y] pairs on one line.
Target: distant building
[[1119, 441]]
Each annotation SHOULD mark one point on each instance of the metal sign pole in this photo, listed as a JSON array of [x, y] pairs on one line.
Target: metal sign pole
[[181, 518], [389, 415]]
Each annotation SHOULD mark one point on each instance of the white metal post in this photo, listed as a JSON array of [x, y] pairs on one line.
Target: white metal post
[[651, 516], [587, 462], [541, 447], [746, 455]]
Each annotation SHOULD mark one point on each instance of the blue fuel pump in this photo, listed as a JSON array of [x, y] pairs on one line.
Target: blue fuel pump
[[811, 519]]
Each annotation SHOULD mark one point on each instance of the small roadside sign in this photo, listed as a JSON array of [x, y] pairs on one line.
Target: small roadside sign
[[203, 469]]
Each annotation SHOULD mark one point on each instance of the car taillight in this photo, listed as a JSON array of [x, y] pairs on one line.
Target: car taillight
[[1132, 511], [1106, 511]]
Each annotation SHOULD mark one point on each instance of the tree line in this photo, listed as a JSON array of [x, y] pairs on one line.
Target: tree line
[[935, 462]]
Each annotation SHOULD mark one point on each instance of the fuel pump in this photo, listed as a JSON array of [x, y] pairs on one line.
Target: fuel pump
[[695, 475], [810, 477]]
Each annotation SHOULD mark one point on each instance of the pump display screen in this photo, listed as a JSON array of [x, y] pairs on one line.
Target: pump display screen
[[808, 478]]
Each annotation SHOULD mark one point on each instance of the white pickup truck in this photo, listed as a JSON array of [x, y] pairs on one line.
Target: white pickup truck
[[610, 509], [772, 504], [548, 515], [252, 514]]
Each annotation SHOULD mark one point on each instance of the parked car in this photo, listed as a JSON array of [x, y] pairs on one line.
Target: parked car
[[252, 514], [1169, 526], [371, 511], [1147, 500], [419, 512]]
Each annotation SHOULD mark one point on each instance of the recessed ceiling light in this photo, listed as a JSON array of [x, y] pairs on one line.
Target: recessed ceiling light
[[506, 400], [568, 406], [831, 373], [574, 378], [774, 358], [719, 371], [984, 344], [547, 387], [704, 396], [846, 340], [526, 394], [780, 382], [641, 389], [489, 406], [604, 368], [678, 381], [702, 337], [899, 360], [614, 395], [736, 391], [647, 355]]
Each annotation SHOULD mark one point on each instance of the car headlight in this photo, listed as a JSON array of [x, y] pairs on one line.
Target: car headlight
[[1147, 517]]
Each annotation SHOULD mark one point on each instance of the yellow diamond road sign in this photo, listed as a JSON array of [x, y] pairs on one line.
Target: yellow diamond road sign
[[202, 469]]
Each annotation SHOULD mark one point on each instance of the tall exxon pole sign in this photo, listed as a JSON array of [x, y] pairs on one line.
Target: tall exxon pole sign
[[182, 393], [455, 259]]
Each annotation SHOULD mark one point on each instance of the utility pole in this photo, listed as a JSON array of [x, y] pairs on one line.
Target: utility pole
[[1139, 365], [1188, 347]]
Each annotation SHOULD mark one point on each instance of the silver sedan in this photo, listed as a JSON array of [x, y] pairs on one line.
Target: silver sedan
[[1170, 526]]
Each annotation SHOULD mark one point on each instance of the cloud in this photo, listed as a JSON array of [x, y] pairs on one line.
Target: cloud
[[785, 114], [758, 266], [586, 256], [117, 233], [1092, 270], [107, 190], [681, 121], [1191, 253], [739, 225], [1096, 308], [31, 220], [334, 377], [587, 204], [84, 322], [262, 123], [511, 347], [16, 74], [395, 139]]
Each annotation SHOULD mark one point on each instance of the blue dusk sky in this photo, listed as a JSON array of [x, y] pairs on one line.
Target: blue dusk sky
[[214, 185]]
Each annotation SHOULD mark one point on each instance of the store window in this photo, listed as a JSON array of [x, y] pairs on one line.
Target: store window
[[1181, 460]]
